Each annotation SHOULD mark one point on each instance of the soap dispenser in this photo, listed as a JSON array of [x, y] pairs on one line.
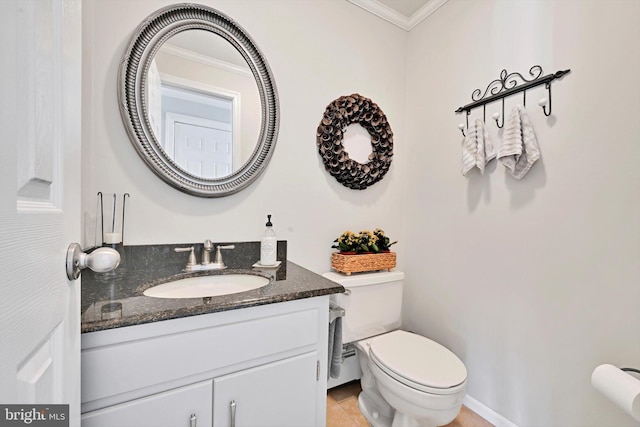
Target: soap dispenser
[[268, 245]]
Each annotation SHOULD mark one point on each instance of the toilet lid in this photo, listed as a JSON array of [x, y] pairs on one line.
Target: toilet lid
[[417, 361]]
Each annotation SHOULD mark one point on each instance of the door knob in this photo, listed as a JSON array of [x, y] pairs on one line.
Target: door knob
[[101, 260]]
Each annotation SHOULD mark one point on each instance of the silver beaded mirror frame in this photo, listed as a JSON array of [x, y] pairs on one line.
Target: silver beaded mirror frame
[[132, 84]]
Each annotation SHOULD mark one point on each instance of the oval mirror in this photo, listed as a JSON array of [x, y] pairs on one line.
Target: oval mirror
[[198, 100]]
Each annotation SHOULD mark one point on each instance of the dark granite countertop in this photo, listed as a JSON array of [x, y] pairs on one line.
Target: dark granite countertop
[[115, 299]]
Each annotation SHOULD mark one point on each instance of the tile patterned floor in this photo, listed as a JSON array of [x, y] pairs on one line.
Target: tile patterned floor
[[342, 410], [342, 406]]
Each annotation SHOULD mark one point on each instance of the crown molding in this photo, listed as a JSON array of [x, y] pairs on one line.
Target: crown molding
[[396, 18], [206, 60]]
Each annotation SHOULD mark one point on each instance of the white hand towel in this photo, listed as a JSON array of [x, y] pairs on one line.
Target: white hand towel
[[469, 150], [519, 150], [477, 149]]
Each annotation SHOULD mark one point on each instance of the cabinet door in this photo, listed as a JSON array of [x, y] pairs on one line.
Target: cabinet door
[[279, 394], [188, 406]]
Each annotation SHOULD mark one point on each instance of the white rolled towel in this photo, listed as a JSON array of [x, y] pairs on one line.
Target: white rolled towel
[[477, 149], [519, 150]]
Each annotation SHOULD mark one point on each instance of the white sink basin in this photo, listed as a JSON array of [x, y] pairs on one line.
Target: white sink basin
[[207, 286]]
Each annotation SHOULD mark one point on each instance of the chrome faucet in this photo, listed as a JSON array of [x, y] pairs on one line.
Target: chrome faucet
[[217, 264], [206, 252]]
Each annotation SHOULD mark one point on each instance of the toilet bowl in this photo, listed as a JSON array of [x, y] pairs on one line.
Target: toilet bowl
[[407, 380], [422, 381]]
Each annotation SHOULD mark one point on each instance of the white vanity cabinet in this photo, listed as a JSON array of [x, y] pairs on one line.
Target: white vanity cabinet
[[249, 398], [260, 366], [185, 406]]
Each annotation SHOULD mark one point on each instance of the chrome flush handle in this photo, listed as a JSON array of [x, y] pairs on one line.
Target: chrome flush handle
[[193, 420]]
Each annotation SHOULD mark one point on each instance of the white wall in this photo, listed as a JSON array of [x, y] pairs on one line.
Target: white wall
[[532, 283], [318, 51]]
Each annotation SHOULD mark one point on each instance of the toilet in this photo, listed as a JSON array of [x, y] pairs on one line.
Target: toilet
[[407, 380]]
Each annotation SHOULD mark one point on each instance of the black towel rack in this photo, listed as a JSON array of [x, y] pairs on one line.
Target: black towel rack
[[509, 84]]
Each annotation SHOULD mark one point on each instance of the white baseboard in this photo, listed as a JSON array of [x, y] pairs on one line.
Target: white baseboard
[[487, 413]]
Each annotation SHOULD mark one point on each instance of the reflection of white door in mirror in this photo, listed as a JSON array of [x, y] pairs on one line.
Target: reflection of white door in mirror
[[199, 146], [204, 64], [204, 108]]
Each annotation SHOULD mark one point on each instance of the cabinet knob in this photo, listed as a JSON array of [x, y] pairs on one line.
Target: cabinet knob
[[193, 420], [233, 413]]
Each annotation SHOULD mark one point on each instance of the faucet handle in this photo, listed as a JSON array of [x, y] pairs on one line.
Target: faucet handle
[[218, 258], [192, 256]]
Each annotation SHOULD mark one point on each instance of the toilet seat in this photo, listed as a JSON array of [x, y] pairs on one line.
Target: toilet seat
[[418, 362]]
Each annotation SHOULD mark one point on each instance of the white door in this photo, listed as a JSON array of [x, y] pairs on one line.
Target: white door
[[40, 74], [202, 147]]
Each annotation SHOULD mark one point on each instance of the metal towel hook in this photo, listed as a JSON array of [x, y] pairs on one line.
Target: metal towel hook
[[544, 101], [461, 125], [496, 116]]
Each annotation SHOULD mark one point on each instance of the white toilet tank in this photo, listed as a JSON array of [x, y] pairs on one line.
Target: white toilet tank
[[372, 303]]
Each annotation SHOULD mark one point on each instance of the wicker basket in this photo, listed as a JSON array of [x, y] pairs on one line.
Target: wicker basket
[[362, 262]]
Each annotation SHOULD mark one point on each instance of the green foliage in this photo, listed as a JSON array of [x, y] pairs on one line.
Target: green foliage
[[365, 241]]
